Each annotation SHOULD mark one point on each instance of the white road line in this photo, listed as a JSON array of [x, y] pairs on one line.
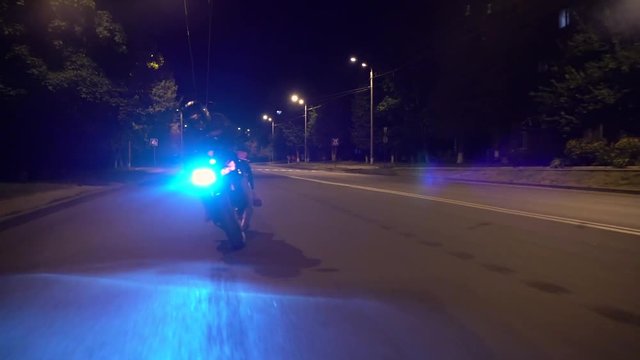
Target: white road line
[[614, 228]]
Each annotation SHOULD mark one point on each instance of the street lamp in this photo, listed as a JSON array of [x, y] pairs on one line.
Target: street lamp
[[296, 99], [181, 135], [273, 134], [353, 59]]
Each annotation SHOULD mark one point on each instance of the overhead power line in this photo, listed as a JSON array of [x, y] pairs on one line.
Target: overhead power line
[[193, 68], [341, 94], [322, 100], [209, 52]]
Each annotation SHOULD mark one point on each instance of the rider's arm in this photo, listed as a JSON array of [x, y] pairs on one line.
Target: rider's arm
[[250, 176]]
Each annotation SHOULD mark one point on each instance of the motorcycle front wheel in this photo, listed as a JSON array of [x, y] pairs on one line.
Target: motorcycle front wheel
[[232, 228]]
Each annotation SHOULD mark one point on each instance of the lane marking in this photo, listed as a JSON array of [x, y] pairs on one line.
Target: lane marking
[[286, 170], [594, 225]]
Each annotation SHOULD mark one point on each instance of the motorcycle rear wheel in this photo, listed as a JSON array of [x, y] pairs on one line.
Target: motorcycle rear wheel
[[233, 230]]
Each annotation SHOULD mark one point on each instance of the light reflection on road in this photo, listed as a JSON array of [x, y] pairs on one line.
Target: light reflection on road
[[155, 314]]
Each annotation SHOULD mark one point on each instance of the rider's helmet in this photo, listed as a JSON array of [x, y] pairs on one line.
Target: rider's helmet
[[207, 132], [203, 129]]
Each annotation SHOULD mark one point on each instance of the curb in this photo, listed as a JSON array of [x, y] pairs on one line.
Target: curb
[[379, 171], [562, 187], [22, 217]]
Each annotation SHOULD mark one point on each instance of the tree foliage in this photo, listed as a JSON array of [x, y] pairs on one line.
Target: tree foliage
[[360, 121], [594, 82], [61, 49], [293, 133], [71, 58]]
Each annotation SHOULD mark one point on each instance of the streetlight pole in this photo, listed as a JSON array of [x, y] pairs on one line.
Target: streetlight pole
[[353, 59], [273, 139], [273, 130], [273, 135], [181, 137], [371, 116], [300, 101], [306, 157]]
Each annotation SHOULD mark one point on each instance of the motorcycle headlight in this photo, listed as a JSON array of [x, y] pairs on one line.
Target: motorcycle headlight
[[203, 177]]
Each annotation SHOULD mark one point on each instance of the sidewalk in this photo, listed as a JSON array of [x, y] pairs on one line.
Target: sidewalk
[[579, 178], [36, 196], [18, 199]]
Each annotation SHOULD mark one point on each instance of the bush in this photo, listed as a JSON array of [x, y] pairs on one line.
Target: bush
[[626, 152], [588, 152]]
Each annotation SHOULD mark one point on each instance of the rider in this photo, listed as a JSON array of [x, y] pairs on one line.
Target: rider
[[215, 137], [244, 168]]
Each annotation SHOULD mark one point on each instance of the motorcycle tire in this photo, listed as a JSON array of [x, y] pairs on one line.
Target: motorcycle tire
[[232, 229]]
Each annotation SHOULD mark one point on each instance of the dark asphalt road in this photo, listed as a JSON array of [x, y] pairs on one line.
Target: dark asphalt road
[[388, 268]]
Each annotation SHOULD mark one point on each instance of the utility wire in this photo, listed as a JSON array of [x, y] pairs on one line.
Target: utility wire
[[328, 98], [352, 92], [340, 94], [412, 61], [209, 52], [193, 68]]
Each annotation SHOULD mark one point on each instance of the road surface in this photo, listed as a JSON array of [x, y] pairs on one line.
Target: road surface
[[338, 266]]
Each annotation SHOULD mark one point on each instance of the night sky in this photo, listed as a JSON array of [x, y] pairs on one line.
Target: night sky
[[262, 51]]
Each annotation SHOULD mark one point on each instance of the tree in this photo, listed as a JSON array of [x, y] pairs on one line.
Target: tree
[[485, 70], [360, 122], [149, 108], [316, 132], [593, 84], [67, 60], [402, 116], [68, 55], [293, 133]]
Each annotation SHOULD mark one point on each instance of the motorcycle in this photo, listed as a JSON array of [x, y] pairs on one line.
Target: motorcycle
[[224, 197]]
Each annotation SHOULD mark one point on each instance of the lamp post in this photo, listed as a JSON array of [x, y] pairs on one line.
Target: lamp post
[[273, 135], [181, 134], [180, 111], [353, 59], [296, 99]]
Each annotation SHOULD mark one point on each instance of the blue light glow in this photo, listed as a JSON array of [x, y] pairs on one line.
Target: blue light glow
[[203, 177], [176, 310]]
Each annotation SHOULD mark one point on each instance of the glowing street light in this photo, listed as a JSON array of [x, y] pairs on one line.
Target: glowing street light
[[300, 101], [273, 134], [353, 59]]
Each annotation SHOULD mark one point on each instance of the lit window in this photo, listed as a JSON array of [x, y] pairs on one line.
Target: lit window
[[468, 10], [564, 19]]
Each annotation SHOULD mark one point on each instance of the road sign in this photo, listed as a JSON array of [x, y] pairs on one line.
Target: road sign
[[335, 142], [153, 142]]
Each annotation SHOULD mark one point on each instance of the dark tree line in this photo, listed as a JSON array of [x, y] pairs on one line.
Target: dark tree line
[[73, 94], [509, 82]]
